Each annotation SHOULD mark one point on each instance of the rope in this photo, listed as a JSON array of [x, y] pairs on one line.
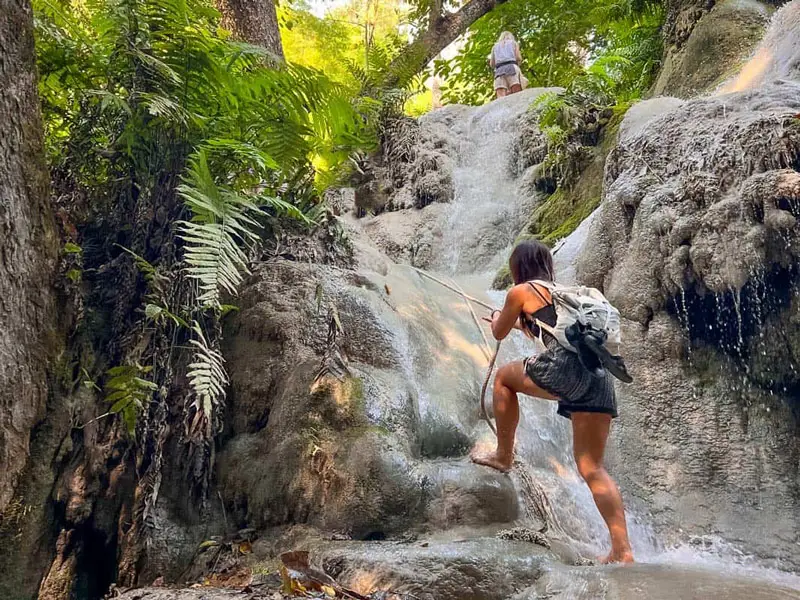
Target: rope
[[457, 289], [487, 348], [451, 288], [486, 385]]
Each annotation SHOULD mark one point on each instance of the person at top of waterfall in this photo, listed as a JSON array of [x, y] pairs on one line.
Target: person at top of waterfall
[[505, 60], [583, 396]]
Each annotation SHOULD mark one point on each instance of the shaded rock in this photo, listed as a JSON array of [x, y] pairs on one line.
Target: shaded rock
[[413, 168], [463, 493], [719, 42], [331, 422], [408, 235], [341, 201], [775, 351], [529, 145]]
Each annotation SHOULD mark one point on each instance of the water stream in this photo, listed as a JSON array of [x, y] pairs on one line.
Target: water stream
[[481, 224]]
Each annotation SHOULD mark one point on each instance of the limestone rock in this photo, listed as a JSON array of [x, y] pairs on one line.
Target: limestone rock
[[696, 244], [329, 425]]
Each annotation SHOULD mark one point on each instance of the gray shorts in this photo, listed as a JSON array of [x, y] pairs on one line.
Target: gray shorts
[[559, 372], [506, 82]]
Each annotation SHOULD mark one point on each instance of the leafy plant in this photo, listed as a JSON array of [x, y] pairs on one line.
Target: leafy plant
[[128, 392], [614, 42], [177, 150], [207, 380], [625, 50], [222, 222]]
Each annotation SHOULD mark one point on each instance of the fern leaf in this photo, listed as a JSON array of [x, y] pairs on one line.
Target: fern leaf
[[221, 225], [207, 380]]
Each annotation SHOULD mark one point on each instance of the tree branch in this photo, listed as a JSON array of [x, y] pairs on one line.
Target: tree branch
[[442, 31]]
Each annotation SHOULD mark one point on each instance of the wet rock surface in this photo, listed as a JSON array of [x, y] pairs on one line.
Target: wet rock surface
[[355, 388], [696, 244], [653, 582], [332, 423], [491, 569], [719, 42], [478, 569]]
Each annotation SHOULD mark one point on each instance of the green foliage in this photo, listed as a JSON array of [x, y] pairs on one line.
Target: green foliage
[[627, 50], [136, 84], [619, 40], [345, 35], [207, 380], [128, 392], [354, 45], [222, 222], [546, 31], [190, 148]]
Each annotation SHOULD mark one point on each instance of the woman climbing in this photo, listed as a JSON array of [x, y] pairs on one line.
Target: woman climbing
[[557, 374], [505, 60]]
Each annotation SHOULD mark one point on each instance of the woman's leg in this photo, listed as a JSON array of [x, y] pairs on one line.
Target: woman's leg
[[589, 433], [515, 88], [501, 92], [509, 381]]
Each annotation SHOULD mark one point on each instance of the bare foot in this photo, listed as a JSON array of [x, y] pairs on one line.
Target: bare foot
[[491, 459], [625, 557]]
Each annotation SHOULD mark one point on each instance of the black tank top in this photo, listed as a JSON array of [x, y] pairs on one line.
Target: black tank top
[[546, 314]]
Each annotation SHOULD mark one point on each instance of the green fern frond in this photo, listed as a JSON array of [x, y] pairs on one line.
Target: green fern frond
[[207, 380], [222, 222], [128, 393]]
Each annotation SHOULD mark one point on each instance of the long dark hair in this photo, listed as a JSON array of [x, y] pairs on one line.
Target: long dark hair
[[531, 260]]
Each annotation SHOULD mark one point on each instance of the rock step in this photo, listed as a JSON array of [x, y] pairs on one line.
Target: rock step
[[488, 568]]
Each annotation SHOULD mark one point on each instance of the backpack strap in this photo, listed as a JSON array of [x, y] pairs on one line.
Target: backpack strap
[[543, 327], [548, 285], [538, 293]]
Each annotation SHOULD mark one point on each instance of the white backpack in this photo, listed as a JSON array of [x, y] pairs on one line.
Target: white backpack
[[586, 306]]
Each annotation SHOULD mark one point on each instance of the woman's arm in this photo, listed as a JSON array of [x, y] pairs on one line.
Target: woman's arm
[[517, 54], [503, 321], [491, 59]]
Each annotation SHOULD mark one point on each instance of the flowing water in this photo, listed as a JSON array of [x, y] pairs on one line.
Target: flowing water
[[488, 211], [481, 223], [777, 56]]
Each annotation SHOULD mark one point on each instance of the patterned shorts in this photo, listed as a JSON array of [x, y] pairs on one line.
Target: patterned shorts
[[559, 372]]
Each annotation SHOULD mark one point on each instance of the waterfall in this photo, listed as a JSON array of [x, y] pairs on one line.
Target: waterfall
[[480, 225], [488, 210], [777, 56]]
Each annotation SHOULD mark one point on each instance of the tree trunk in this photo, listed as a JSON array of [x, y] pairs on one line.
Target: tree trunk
[[28, 250], [442, 31], [254, 22]]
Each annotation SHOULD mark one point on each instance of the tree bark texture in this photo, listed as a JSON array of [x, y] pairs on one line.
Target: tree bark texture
[[442, 31], [254, 22], [28, 249]]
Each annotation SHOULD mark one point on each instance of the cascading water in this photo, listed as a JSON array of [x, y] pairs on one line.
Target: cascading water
[[481, 223], [777, 56], [488, 211]]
